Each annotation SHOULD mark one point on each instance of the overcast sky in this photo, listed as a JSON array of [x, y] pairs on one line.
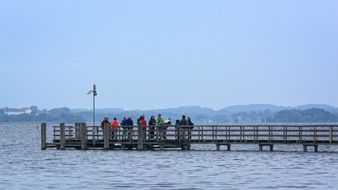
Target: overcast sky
[[159, 54]]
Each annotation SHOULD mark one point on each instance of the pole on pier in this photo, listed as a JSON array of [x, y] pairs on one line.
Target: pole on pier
[[106, 136], [62, 136], [43, 136], [83, 136], [94, 128]]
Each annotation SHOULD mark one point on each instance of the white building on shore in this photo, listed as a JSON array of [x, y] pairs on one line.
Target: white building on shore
[[17, 111]]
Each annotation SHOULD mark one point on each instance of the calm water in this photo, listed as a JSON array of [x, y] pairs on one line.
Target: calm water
[[25, 166]]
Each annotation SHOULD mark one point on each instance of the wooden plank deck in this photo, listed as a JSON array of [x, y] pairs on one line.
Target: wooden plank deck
[[81, 136]]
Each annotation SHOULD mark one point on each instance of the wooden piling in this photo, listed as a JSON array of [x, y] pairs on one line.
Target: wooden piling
[[106, 136], [83, 136], [43, 136], [261, 147], [315, 147], [62, 136], [140, 138]]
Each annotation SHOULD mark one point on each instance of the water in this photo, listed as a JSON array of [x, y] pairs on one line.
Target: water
[[25, 166]]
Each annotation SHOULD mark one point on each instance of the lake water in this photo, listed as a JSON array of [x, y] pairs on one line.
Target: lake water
[[23, 165]]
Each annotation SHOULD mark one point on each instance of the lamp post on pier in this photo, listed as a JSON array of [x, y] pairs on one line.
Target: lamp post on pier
[[94, 94]]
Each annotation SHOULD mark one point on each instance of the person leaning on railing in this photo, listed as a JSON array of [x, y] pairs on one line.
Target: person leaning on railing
[[143, 124], [183, 128], [166, 124], [129, 125], [152, 124], [159, 124], [191, 126], [115, 124]]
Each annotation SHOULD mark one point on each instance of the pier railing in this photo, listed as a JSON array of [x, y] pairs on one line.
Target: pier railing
[[269, 134]]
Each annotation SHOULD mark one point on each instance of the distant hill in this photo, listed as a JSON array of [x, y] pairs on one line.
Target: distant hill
[[253, 107], [274, 108], [253, 113]]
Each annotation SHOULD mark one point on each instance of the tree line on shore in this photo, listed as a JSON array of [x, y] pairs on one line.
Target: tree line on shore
[[198, 114]]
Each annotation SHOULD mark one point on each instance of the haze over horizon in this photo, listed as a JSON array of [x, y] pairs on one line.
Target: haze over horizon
[[164, 54]]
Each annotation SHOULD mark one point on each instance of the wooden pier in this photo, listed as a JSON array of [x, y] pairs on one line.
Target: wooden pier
[[81, 136]]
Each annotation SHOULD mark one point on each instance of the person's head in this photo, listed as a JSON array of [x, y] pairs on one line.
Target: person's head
[[159, 115], [115, 118], [188, 118], [152, 117], [124, 118], [177, 122], [105, 118], [183, 116]]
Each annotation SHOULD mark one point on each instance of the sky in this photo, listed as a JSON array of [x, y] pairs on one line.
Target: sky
[[160, 54]]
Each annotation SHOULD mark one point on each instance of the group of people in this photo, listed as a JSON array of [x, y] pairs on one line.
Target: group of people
[[157, 127]]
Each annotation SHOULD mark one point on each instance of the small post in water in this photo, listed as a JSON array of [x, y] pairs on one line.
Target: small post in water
[[62, 136], [43, 136]]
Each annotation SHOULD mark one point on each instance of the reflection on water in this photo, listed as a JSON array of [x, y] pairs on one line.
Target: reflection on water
[[24, 165]]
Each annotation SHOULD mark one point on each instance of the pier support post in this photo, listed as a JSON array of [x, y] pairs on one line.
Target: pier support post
[[43, 136], [83, 136], [218, 147], [106, 136], [228, 147], [62, 136], [315, 147], [261, 147], [140, 138]]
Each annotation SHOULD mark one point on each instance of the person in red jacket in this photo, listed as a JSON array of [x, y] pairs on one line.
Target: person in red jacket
[[143, 123], [115, 124]]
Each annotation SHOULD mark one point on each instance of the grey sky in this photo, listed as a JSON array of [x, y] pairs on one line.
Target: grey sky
[[157, 54]]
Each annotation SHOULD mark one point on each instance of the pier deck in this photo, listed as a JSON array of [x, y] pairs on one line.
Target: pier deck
[[81, 136]]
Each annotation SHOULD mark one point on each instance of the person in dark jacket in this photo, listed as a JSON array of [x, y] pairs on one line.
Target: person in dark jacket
[[152, 124], [183, 128], [104, 121], [184, 121], [129, 124], [123, 124], [191, 124]]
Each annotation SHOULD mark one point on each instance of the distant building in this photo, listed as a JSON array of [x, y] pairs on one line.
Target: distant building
[[17, 111]]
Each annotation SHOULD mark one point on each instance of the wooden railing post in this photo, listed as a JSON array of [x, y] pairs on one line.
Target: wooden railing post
[[43, 136], [106, 136], [331, 134], [62, 136], [77, 130], [83, 136]]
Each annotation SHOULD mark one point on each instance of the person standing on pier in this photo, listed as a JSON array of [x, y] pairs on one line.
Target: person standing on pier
[[166, 124], [123, 124], [183, 128], [104, 121], [191, 126], [115, 124], [143, 124], [152, 124], [129, 125], [159, 124]]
